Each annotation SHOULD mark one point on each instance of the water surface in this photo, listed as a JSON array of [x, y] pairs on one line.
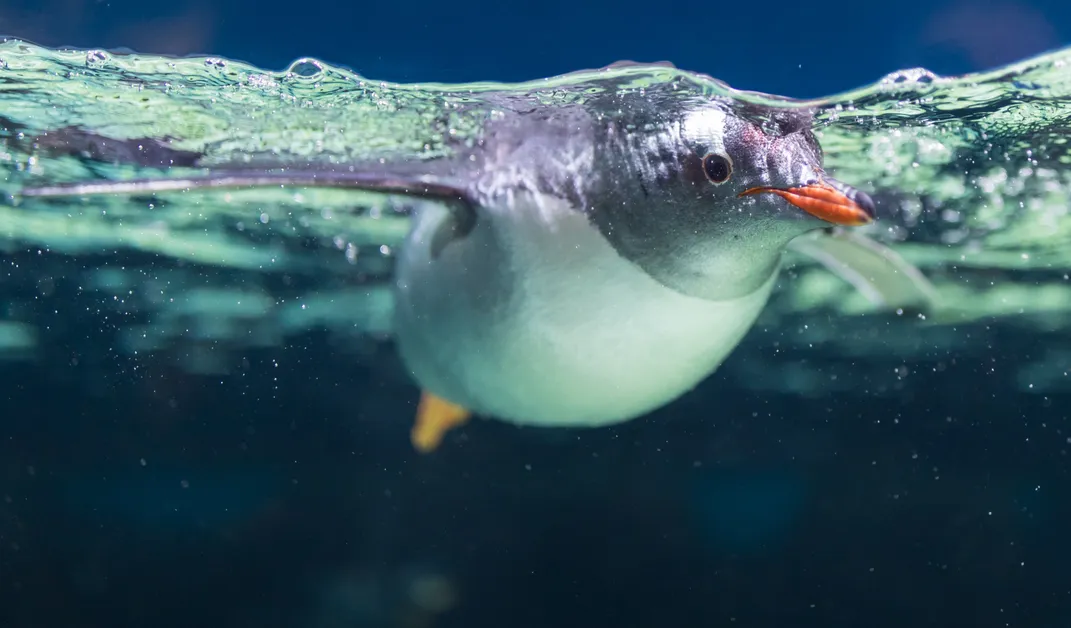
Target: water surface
[[971, 174]]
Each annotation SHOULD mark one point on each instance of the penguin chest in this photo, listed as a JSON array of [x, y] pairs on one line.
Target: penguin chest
[[534, 318]]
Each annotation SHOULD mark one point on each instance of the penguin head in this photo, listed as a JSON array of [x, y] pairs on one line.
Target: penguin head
[[707, 203]]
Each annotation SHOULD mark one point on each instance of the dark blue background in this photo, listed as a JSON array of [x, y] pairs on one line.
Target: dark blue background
[[800, 49]]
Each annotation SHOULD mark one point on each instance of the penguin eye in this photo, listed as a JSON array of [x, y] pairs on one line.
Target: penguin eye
[[717, 168]]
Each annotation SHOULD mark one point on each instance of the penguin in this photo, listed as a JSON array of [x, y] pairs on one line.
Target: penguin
[[584, 261]]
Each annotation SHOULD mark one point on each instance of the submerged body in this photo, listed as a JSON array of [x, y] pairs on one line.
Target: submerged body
[[543, 323], [619, 255]]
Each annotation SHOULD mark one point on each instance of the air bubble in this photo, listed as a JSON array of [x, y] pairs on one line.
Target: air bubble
[[96, 58], [305, 68], [215, 62], [920, 76]]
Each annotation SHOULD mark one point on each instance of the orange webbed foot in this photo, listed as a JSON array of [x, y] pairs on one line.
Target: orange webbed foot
[[435, 417]]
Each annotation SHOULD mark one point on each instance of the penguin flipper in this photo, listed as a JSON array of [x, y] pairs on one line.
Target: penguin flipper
[[384, 179], [435, 417], [381, 179], [878, 272]]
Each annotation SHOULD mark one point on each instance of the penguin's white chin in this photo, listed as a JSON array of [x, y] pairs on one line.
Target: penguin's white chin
[[713, 272]]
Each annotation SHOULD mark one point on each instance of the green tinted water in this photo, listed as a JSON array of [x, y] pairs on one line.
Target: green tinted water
[[972, 174]]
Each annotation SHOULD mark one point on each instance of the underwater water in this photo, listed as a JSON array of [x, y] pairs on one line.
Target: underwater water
[[971, 176], [223, 308]]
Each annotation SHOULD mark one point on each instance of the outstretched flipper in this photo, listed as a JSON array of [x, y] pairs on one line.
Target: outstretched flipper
[[435, 417], [379, 179], [878, 272]]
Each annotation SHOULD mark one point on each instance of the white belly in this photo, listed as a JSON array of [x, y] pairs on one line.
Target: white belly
[[535, 319]]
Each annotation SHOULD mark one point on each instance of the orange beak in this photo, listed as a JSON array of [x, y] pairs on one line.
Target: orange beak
[[832, 202]]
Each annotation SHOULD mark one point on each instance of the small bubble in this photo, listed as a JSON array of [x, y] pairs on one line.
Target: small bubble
[[306, 68], [96, 58], [215, 62]]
